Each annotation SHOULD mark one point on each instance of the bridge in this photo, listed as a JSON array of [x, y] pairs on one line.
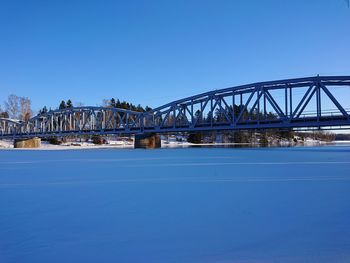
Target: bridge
[[283, 104]]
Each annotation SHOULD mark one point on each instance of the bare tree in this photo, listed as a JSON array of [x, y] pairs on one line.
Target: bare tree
[[18, 107], [12, 106], [26, 111], [105, 103]]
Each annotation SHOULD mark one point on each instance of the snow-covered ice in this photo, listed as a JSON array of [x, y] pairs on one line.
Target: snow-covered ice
[[176, 205]]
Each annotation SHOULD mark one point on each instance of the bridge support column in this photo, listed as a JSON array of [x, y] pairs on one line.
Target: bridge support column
[[147, 141], [27, 143]]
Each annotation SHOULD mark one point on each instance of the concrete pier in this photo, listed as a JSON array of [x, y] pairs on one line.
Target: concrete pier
[[147, 141], [27, 143]]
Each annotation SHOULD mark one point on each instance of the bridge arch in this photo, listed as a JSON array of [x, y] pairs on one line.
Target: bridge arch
[[246, 107]]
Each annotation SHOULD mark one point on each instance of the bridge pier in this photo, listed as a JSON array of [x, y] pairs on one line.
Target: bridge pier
[[147, 141], [27, 143]]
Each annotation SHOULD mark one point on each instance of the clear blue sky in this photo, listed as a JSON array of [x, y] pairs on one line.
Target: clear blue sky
[[152, 52]]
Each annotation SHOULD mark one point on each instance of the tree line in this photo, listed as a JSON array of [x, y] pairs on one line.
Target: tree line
[[125, 105], [20, 108]]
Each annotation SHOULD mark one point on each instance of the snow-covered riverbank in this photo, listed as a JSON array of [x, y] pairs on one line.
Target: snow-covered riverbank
[[8, 145]]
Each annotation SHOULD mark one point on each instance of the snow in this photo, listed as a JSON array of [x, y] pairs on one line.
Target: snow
[[170, 142], [342, 142], [175, 205], [8, 144]]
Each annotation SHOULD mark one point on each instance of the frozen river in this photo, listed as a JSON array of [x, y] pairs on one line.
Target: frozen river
[[176, 205]]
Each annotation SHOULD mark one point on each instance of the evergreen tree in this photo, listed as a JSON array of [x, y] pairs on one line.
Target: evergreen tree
[[139, 108], [123, 105], [43, 110], [112, 103], [69, 104], [62, 105], [117, 104]]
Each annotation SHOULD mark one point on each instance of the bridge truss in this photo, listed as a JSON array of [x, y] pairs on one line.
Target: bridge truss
[[285, 104]]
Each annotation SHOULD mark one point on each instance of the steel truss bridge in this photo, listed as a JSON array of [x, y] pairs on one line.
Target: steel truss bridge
[[283, 104]]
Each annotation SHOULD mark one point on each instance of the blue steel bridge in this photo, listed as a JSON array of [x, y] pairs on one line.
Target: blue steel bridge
[[293, 103]]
